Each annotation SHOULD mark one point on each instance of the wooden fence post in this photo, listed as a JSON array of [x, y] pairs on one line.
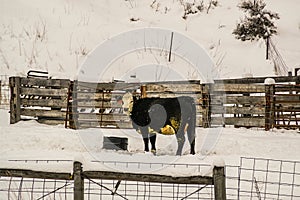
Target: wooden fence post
[[143, 91], [269, 109], [78, 181], [219, 183], [73, 110], [205, 106], [15, 102]]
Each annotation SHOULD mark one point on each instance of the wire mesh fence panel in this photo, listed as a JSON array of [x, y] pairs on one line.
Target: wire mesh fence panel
[[112, 189], [269, 179], [254, 178], [33, 188], [232, 181]]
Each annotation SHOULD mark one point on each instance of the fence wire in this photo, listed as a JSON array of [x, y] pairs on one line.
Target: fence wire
[[115, 190], [268, 179], [254, 178], [34, 189]]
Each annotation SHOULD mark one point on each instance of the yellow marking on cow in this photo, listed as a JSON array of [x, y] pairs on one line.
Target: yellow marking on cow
[[175, 123], [167, 130]]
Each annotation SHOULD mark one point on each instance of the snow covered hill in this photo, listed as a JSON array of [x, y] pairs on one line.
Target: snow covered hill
[[56, 36]]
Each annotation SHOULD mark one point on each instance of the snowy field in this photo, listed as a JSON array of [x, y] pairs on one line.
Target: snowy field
[[57, 36], [30, 145], [29, 140]]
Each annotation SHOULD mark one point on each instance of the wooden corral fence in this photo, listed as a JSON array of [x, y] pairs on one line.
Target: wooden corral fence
[[42, 99], [95, 104], [227, 102], [256, 104]]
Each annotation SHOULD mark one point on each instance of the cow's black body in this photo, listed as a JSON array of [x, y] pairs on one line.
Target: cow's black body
[[156, 113]]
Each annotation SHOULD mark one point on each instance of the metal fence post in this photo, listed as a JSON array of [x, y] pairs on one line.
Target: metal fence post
[[78, 181], [219, 183]]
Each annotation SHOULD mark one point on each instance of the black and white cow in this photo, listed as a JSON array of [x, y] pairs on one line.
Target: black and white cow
[[159, 114]]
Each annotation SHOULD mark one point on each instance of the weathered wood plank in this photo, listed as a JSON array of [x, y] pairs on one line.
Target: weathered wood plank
[[288, 103], [240, 100], [290, 126], [237, 110], [173, 88], [45, 102], [58, 83], [288, 118], [103, 117], [287, 88], [44, 92], [42, 113], [217, 121], [107, 86], [34, 174], [278, 79], [285, 98], [237, 88], [50, 121], [197, 96], [95, 104], [94, 96], [246, 122], [286, 109], [148, 177], [96, 124]]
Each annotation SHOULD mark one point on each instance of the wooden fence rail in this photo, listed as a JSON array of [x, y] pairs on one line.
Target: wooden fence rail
[[85, 105]]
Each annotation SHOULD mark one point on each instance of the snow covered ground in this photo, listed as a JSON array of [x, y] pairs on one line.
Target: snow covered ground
[[29, 140]]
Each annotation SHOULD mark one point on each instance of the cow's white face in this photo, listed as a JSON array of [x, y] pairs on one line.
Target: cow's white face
[[127, 103]]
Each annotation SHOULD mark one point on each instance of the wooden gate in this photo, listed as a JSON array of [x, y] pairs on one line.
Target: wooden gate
[[93, 105], [38, 98], [287, 106], [241, 105]]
